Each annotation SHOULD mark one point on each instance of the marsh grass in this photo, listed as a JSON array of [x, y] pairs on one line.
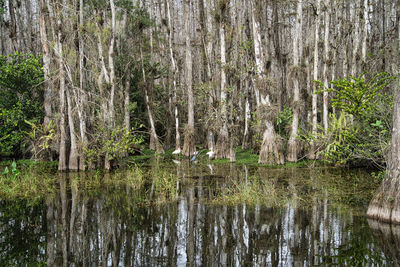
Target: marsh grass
[[249, 158], [164, 186], [29, 184], [252, 191]]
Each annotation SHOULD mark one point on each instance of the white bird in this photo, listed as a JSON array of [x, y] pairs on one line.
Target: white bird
[[210, 154], [176, 152], [176, 161]]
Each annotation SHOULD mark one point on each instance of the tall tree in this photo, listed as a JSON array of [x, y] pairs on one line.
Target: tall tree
[[174, 71], [325, 115], [222, 146], [385, 205], [297, 38], [269, 151], [314, 112], [189, 142], [46, 62]]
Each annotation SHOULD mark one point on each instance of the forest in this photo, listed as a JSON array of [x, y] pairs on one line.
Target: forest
[[198, 132], [89, 82]]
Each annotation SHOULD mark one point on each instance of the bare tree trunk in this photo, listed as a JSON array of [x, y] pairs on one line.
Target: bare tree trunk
[[293, 144], [127, 117], [222, 146], [189, 142], [62, 161], [154, 142], [312, 152], [81, 96], [111, 65], [365, 33], [28, 25], [356, 39], [174, 77], [247, 117], [269, 151], [208, 53], [345, 17], [385, 206], [325, 117], [73, 151], [110, 113], [46, 63], [13, 26]]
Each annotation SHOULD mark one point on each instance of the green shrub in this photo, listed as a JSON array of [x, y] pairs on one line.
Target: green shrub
[[20, 100], [361, 133]]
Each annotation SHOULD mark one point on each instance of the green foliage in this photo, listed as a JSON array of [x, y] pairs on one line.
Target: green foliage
[[362, 132], [341, 140], [14, 171], [284, 121], [20, 100], [115, 143], [39, 139], [355, 95]]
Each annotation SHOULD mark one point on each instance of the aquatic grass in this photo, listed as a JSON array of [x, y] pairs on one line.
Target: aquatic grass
[[28, 184], [143, 156], [252, 191], [249, 158], [24, 164], [164, 186]]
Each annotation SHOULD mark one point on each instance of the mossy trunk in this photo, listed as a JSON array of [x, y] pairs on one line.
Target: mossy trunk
[[292, 150], [222, 145], [385, 206], [270, 152], [189, 140], [189, 144]]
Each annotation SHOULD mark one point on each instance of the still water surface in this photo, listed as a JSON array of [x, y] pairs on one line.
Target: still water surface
[[113, 224]]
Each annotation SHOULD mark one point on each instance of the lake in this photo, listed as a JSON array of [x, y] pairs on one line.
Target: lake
[[182, 214]]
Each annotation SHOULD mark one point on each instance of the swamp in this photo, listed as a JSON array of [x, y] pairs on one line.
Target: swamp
[[199, 133], [165, 213]]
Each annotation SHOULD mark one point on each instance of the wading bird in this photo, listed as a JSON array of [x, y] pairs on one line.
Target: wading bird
[[194, 156], [176, 152], [210, 154]]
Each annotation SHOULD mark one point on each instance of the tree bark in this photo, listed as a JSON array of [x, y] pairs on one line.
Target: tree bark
[[73, 150], [269, 151], [154, 142], [81, 97], [13, 26], [385, 205], [46, 63], [209, 36], [325, 115], [174, 76], [356, 40], [57, 32], [314, 112], [189, 142], [222, 145], [293, 143]]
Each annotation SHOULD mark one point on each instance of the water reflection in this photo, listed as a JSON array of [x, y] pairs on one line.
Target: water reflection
[[110, 227]]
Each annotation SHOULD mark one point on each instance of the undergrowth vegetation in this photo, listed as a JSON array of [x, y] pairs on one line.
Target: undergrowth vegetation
[[359, 134]]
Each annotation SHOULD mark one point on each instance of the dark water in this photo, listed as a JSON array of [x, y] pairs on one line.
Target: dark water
[[110, 223]]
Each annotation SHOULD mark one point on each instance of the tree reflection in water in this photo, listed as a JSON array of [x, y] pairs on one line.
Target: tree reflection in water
[[108, 226]]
